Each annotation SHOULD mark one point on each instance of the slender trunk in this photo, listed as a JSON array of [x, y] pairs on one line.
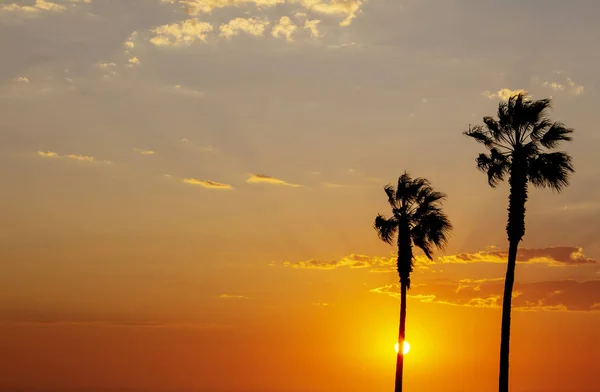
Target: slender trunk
[[401, 337], [404, 269], [506, 309], [515, 228]]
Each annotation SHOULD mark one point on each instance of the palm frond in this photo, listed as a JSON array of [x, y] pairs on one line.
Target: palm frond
[[551, 170], [386, 228], [391, 194], [556, 134], [495, 165], [479, 135]]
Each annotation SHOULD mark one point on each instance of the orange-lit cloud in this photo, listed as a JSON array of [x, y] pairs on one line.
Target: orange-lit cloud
[[560, 255], [233, 296], [76, 157], [250, 26], [207, 184], [503, 94], [263, 179], [285, 28], [346, 9], [142, 151], [183, 33], [487, 293], [351, 261]]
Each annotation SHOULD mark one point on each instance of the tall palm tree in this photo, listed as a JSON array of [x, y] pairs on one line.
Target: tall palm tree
[[418, 220], [519, 143]]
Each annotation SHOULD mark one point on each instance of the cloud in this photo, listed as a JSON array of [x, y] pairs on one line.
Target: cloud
[[262, 179], [351, 261], [555, 256], [503, 94], [311, 25], [565, 295], [197, 7], [575, 88], [568, 85], [133, 61], [250, 26], [233, 296], [207, 184], [344, 8], [285, 28], [38, 6], [182, 90], [178, 34], [554, 86], [76, 157], [39, 317], [130, 43], [142, 151], [334, 186], [22, 79]]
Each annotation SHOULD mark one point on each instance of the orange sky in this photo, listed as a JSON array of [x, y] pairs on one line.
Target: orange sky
[[188, 198]]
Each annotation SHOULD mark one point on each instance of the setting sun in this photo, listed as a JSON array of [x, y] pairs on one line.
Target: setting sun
[[406, 348]]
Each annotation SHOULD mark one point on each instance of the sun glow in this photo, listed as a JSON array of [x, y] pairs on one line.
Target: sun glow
[[406, 348]]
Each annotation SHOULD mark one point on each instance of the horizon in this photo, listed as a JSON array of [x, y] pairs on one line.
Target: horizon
[[190, 186]]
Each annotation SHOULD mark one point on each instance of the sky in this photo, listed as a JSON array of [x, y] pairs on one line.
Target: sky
[[189, 189]]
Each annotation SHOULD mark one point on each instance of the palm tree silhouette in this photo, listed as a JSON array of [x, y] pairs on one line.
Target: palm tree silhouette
[[519, 141], [418, 220]]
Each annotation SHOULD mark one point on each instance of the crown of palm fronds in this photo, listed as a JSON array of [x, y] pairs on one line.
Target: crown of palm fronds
[[416, 207], [522, 131]]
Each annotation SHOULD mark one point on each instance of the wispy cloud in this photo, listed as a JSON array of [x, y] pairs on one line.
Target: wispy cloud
[[555, 256], [552, 257], [207, 184], [263, 179], [567, 85], [565, 295], [345, 9], [142, 151], [233, 296], [76, 157]]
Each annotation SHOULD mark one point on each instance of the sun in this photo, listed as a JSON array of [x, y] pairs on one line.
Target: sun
[[406, 348]]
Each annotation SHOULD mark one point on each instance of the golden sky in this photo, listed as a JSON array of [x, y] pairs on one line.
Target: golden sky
[[189, 187]]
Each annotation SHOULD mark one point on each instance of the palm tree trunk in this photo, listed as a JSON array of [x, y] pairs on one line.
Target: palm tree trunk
[[515, 228], [506, 309], [401, 337]]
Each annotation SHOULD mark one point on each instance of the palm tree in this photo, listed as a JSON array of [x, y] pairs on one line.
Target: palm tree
[[418, 220], [519, 143]]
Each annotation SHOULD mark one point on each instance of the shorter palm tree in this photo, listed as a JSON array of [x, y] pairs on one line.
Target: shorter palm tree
[[417, 219]]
